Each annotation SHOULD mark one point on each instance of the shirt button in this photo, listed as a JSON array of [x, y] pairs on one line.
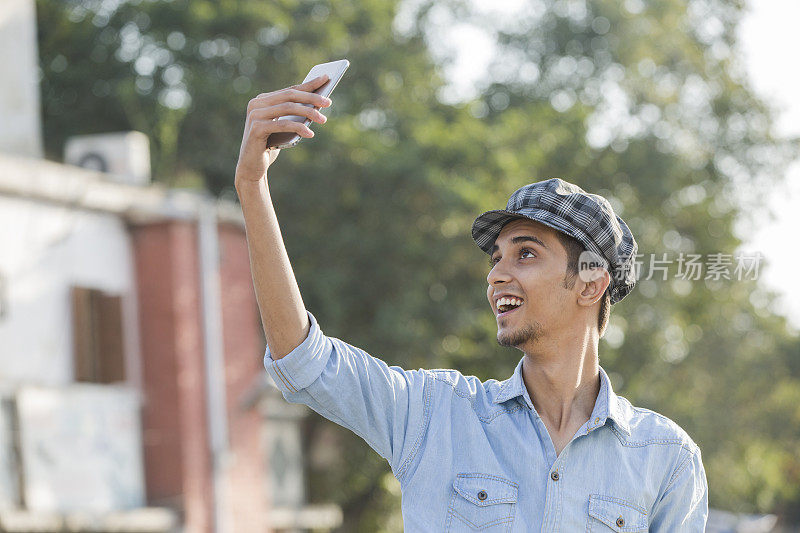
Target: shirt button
[[482, 495], [554, 476], [620, 522], [596, 421]]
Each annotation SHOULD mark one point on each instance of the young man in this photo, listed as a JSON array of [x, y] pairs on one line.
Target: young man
[[552, 448]]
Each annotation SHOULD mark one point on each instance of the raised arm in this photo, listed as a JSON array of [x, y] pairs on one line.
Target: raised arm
[[384, 405], [283, 314]]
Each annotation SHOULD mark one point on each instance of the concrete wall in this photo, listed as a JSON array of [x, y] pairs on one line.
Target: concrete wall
[[81, 448], [44, 250], [20, 129]]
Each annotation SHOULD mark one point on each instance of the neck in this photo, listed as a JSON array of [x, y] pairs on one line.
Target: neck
[[562, 378]]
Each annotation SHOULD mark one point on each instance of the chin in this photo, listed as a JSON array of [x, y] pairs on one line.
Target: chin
[[517, 336]]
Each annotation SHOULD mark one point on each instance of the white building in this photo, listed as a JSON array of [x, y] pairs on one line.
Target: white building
[[132, 392]]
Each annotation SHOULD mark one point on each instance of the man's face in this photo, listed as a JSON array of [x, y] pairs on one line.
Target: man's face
[[530, 263]]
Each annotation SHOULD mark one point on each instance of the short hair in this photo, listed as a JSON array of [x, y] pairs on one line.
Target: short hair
[[574, 249]]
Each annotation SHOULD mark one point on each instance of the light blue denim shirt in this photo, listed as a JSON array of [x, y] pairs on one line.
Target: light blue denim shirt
[[476, 456]]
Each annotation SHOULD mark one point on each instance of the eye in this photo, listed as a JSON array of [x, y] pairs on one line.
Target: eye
[[522, 251]]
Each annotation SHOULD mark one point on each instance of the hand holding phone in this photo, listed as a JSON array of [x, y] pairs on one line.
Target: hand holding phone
[[334, 70], [268, 114]]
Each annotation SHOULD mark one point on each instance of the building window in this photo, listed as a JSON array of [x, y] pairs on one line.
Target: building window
[[97, 336]]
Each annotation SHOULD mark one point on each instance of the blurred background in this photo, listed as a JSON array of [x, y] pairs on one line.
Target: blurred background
[[133, 391]]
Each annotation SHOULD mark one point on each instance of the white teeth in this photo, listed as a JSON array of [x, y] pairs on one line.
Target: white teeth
[[509, 301]]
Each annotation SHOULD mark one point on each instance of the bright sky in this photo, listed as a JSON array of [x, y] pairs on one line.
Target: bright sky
[[768, 58]]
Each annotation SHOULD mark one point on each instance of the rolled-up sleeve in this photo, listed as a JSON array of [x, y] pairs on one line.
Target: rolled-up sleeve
[[385, 405], [684, 504]]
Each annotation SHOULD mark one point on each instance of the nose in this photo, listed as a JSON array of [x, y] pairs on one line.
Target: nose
[[497, 274]]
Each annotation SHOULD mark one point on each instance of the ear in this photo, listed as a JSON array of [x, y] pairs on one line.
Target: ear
[[592, 284]]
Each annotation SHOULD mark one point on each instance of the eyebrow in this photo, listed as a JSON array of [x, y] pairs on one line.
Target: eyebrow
[[522, 238]]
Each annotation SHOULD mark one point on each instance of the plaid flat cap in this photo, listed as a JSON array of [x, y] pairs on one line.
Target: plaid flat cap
[[567, 208]]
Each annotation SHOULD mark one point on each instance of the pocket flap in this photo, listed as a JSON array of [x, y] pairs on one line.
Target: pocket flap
[[617, 514], [485, 489]]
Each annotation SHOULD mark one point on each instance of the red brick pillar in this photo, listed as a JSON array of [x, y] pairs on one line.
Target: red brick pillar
[[174, 419]]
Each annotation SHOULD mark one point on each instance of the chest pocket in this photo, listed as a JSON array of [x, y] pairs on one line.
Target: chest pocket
[[613, 514], [481, 502]]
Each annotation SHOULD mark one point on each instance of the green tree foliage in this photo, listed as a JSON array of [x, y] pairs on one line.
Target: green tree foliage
[[654, 116], [639, 101]]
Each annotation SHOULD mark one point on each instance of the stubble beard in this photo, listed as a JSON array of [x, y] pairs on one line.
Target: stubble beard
[[519, 336]]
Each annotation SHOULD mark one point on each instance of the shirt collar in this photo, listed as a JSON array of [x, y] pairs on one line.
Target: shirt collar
[[606, 406]]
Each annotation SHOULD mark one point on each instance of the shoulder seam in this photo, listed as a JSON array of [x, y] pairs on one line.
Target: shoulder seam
[[650, 411], [626, 441], [681, 467], [683, 437]]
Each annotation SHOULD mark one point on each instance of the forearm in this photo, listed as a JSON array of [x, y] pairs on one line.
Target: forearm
[[283, 314]]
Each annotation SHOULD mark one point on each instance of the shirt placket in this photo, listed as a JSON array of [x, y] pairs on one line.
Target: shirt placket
[[551, 521], [555, 483], [553, 494]]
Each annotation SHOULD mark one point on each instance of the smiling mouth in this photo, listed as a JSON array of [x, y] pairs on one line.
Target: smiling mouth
[[509, 311]]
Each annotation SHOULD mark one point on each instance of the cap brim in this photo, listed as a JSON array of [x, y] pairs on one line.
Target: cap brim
[[488, 225]]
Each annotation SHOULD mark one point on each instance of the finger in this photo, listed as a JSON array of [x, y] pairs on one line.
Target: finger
[[288, 95], [285, 109], [299, 95], [261, 129], [308, 86]]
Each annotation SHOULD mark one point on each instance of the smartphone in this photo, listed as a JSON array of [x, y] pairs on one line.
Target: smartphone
[[335, 71]]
